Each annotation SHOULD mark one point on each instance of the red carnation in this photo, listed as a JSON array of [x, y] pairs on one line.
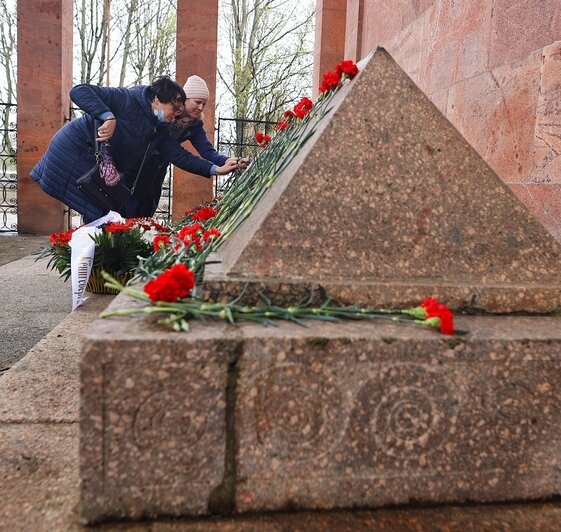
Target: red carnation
[[61, 239], [434, 309], [348, 67], [118, 227], [212, 232], [160, 242], [174, 283], [289, 114], [330, 81], [190, 231], [429, 304], [159, 227], [281, 125], [262, 139], [204, 214], [303, 107]]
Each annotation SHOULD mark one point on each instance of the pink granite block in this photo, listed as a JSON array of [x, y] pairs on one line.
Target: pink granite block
[[544, 202], [519, 27], [406, 48], [382, 20], [364, 415], [496, 111], [153, 422], [440, 99], [546, 158], [354, 19], [456, 43], [413, 9], [243, 419]]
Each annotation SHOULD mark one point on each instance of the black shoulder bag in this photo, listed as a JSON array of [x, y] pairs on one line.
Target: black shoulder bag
[[102, 195]]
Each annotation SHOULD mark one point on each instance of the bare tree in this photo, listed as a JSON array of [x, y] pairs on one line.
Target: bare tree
[[8, 64], [154, 51], [267, 63], [8, 51], [141, 34], [126, 32], [89, 21]]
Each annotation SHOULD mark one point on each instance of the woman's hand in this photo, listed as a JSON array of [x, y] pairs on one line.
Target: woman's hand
[[229, 166], [106, 130], [242, 162]]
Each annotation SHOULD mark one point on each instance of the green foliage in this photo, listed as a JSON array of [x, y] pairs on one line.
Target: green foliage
[[118, 253], [59, 259]]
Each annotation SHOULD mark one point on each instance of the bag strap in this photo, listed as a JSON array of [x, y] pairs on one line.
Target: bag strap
[[96, 143], [141, 166]]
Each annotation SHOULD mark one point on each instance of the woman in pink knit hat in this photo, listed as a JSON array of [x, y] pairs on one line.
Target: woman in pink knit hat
[[187, 126]]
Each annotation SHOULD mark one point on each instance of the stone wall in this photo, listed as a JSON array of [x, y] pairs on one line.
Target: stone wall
[[492, 67]]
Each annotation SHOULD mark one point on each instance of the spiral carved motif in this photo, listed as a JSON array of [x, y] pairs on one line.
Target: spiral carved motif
[[403, 412], [405, 418], [296, 414], [168, 413]]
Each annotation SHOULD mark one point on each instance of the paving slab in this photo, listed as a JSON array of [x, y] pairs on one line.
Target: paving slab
[[38, 480], [14, 246], [39, 404], [34, 300], [44, 385]]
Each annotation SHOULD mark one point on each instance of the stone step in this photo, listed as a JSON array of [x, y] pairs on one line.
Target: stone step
[[39, 412], [44, 384], [236, 419]]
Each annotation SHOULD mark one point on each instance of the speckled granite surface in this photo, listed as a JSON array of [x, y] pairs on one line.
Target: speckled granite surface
[[388, 194], [230, 419], [383, 207]]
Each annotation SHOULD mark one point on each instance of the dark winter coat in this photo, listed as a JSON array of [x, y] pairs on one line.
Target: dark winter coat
[[155, 168], [71, 151]]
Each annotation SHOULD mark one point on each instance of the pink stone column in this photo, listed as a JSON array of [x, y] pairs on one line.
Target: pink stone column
[[353, 32], [197, 35], [44, 81], [330, 37]]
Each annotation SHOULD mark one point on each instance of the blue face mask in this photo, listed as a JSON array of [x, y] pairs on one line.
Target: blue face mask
[[159, 114]]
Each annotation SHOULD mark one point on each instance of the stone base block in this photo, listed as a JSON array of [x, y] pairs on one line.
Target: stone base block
[[153, 421], [234, 419]]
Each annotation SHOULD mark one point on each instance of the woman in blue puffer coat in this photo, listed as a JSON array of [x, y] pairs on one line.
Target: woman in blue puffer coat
[[131, 118]]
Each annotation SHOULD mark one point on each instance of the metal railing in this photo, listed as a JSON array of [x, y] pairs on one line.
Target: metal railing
[[236, 138], [8, 167]]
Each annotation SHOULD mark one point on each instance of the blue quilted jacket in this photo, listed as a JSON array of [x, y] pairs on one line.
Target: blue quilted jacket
[[71, 151], [155, 169]]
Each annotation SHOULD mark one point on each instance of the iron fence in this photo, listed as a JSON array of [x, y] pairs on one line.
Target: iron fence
[[236, 138], [8, 168]]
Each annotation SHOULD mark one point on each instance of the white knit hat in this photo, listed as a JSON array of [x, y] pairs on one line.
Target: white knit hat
[[195, 87]]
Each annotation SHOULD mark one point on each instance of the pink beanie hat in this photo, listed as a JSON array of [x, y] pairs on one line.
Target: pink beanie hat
[[195, 87]]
